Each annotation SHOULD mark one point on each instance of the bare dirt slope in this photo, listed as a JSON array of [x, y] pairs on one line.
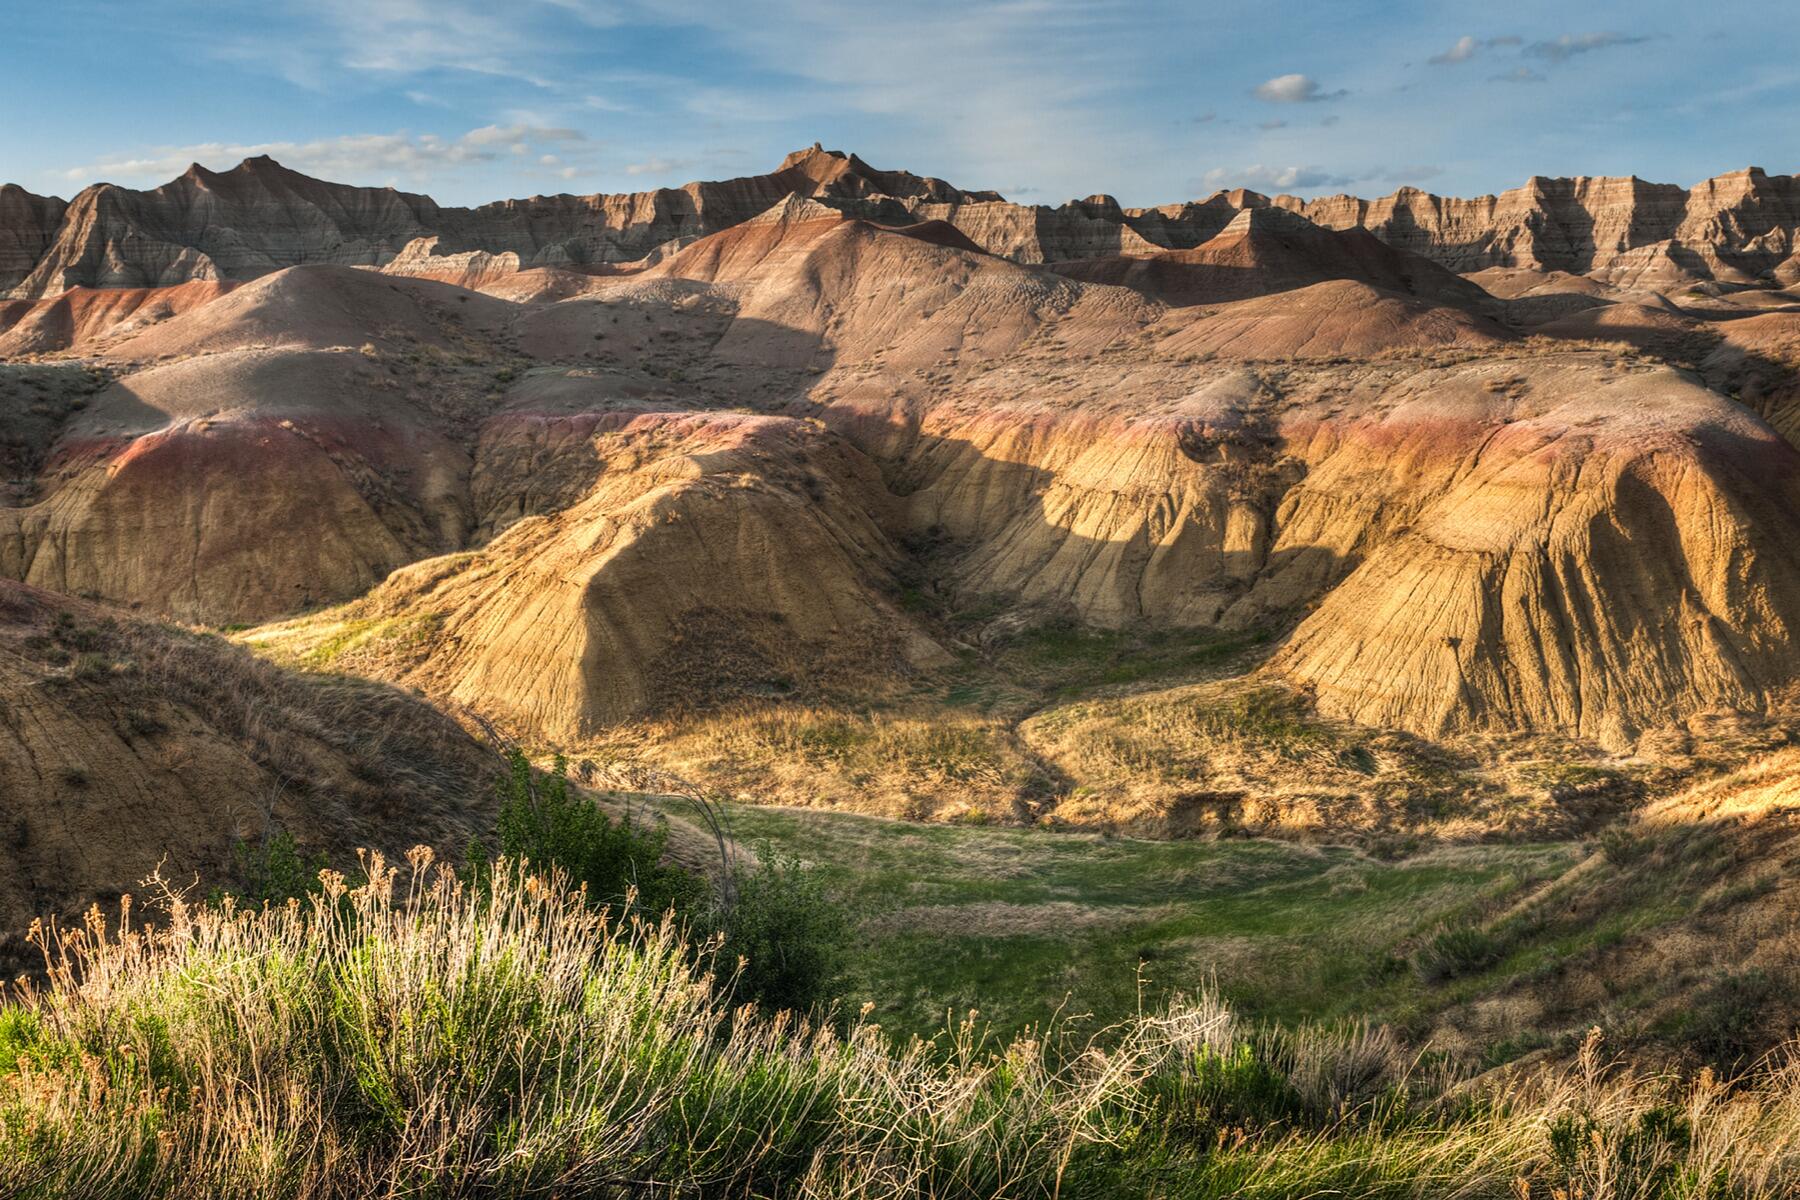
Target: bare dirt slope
[[128, 747]]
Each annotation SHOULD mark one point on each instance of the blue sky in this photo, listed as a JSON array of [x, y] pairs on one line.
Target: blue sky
[[474, 100]]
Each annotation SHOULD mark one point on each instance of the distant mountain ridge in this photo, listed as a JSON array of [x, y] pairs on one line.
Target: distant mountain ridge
[[260, 217]]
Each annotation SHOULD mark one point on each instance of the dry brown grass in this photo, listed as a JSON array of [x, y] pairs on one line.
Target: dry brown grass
[[926, 765]]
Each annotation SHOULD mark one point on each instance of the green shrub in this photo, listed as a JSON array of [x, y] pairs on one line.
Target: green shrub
[[617, 862], [789, 933], [1233, 1089], [776, 918], [275, 871], [1623, 845], [1639, 1156]]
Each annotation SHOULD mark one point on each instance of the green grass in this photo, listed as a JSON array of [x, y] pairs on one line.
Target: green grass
[[402, 633], [415, 1037], [1026, 924], [1062, 661]]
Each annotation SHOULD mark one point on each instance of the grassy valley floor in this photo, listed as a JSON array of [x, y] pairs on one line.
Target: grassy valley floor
[[1029, 926]]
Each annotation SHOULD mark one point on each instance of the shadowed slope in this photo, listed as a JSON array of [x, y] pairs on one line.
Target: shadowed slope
[[127, 747]]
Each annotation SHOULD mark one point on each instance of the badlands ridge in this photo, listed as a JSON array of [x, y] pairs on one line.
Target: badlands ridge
[[822, 440], [261, 217]]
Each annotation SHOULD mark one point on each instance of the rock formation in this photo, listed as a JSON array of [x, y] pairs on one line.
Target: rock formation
[[592, 491], [260, 217], [28, 226], [1736, 227]]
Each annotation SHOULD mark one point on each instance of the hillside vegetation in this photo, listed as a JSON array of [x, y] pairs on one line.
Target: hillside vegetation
[[414, 1036]]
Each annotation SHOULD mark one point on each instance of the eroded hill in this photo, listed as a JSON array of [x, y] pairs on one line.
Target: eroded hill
[[129, 748], [786, 505]]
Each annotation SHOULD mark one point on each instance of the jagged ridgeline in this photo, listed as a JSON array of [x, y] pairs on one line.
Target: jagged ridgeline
[[854, 485], [261, 217]]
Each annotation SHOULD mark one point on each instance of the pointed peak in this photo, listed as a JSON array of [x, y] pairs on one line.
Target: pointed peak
[[1266, 218], [812, 154], [793, 208]]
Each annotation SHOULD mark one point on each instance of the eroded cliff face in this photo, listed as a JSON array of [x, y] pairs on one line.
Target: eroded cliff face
[[1589, 554], [28, 225], [551, 516], [1737, 227], [708, 557], [1548, 544], [232, 225], [260, 217]]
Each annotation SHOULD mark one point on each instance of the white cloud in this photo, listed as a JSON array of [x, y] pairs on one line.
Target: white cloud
[[1461, 51], [1517, 75], [489, 135], [1272, 178], [417, 158], [657, 166], [409, 37], [1278, 179], [1466, 47], [1294, 89]]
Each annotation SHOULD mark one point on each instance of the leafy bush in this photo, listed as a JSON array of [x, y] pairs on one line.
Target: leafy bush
[[1641, 1156], [275, 871], [1623, 845], [789, 933], [542, 823], [775, 918], [1233, 1088]]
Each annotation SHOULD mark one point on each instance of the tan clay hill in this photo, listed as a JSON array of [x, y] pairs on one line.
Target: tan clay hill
[[830, 437]]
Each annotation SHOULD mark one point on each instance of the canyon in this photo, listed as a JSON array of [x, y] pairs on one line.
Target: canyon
[[1367, 509]]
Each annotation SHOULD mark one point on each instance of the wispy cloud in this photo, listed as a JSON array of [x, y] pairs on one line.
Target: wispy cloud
[[361, 158], [1270, 178], [1463, 50], [1467, 47], [1567, 46], [1294, 89], [658, 166], [1518, 75], [1277, 179]]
